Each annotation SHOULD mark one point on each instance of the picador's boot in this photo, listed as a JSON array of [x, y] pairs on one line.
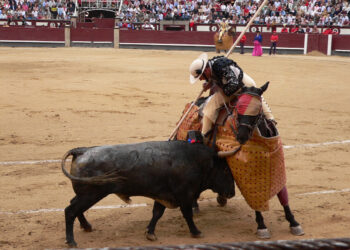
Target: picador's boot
[[206, 128], [206, 140]]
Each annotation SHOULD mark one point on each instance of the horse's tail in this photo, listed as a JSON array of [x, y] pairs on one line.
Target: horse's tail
[[108, 177]]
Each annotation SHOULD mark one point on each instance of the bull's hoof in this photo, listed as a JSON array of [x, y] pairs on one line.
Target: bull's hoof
[[222, 201], [71, 243], [263, 233], [86, 228], [197, 235], [151, 237], [298, 230]]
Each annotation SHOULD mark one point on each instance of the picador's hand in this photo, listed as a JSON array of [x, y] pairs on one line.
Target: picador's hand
[[206, 86]]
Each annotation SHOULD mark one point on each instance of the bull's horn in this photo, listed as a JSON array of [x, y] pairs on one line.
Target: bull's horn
[[223, 154]]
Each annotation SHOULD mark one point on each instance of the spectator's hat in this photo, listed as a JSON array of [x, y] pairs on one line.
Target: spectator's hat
[[197, 67]]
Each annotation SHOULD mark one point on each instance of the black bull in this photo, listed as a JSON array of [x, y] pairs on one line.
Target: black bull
[[173, 173]]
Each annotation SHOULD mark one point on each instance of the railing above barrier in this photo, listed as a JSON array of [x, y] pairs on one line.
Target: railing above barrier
[[35, 23], [265, 28]]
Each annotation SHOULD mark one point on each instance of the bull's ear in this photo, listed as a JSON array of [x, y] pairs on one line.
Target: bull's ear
[[264, 87]]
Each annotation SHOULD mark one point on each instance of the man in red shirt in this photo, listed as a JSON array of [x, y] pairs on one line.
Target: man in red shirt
[[242, 42], [284, 29], [328, 31], [294, 29], [274, 40]]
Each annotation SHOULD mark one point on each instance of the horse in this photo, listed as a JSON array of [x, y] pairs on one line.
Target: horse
[[227, 40], [241, 130]]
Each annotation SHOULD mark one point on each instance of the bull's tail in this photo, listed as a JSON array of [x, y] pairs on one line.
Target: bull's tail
[[108, 177], [74, 152]]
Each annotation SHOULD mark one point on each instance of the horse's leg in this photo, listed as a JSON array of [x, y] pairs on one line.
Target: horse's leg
[[295, 227], [221, 200], [262, 232], [195, 207]]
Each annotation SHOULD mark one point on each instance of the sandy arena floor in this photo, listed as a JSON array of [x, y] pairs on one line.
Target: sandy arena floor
[[52, 100]]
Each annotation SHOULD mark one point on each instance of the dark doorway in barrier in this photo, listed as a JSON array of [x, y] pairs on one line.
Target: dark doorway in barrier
[[99, 14]]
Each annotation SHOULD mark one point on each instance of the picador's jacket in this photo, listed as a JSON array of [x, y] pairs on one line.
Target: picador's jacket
[[226, 74]]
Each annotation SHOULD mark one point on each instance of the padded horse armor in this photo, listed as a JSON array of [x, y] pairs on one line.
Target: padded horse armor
[[258, 168]]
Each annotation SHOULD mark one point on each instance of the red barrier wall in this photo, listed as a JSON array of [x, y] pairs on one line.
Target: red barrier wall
[[317, 42], [341, 42], [92, 35], [32, 33], [166, 37], [202, 38], [284, 40]]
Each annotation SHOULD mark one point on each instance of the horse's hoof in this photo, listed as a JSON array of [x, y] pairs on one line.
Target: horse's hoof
[[198, 235], [263, 233], [151, 237], [298, 230], [222, 201]]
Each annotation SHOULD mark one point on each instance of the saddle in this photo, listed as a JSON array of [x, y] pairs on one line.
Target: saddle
[[258, 168], [194, 118]]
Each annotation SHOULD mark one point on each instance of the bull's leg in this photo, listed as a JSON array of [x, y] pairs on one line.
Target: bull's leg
[[262, 232], [77, 207], [295, 227], [187, 213], [84, 224], [158, 211]]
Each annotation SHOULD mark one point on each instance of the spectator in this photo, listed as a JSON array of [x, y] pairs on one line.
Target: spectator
[[300, 30], [315, 30], [147, 26], [328, 31], [70, 8], [294, 29], [284, 29], [242, 42], [257, 51], [274, 40], [54, 11]]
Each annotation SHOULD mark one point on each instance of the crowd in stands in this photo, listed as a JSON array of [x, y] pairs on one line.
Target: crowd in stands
[[36, 9], [290, 12]]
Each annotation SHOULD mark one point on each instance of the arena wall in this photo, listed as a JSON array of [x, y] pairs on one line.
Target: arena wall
[[104, 34]]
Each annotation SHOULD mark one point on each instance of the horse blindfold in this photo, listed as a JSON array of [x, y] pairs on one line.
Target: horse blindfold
[[248, 104]]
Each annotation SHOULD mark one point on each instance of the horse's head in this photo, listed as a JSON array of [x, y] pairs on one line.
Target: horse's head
[[249, 111], [231, 31]]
